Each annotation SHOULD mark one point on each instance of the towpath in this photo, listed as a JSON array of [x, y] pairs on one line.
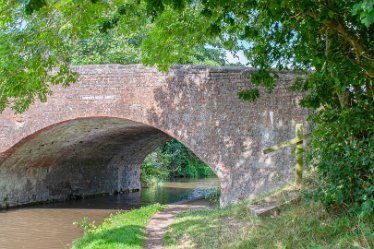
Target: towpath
[[157, 226]]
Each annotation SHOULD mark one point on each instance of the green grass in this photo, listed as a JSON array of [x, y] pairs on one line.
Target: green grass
[[298, 226], [120, 231]]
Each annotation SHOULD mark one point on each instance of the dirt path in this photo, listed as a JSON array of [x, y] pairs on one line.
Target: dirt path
[[157, 226]]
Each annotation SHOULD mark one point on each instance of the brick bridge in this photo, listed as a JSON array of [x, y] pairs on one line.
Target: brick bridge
[[93, 136]]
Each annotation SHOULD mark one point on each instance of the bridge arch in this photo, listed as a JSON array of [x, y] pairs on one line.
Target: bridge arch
[[78, 157], [197, 105]]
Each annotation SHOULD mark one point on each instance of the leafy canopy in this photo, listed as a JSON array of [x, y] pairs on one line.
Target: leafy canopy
[[333, 37], [328, 42], [37, 36]]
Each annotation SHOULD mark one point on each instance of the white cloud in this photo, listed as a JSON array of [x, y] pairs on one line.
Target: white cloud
[[236, 57]]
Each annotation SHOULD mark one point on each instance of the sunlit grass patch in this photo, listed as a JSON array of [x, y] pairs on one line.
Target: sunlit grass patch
[[209, 229], [120, 231], [299, 225]]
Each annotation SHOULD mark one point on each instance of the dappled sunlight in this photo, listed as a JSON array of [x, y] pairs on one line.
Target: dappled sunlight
[[298, 225], [247, 144], [209, 228]]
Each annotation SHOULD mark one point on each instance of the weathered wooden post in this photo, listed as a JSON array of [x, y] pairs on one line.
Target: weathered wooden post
[[298, 140], [299, 153]]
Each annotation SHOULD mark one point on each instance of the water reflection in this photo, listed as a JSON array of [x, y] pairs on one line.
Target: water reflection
[[50, 226]]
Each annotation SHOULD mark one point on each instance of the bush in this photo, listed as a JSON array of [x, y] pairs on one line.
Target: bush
[[152, 171], [172, 160], [182, 162], [342, 152]]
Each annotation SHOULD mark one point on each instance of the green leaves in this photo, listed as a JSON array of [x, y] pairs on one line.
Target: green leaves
[[172, 160], [365, 10], [34, 5], [329, 44], [173, 39], [273, 35], [340, 150], [250, 95], [181, 162], [30, 47]]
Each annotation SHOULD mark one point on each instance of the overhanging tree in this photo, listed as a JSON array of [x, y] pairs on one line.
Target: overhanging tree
[[330, 42]]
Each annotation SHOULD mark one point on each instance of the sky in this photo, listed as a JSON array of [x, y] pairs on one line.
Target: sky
[[235, 58]]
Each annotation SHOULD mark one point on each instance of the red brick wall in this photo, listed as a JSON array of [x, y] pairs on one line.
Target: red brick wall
[[103, 126]]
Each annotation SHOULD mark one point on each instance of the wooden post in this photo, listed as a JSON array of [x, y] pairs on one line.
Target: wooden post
[[298, 140], [299, 153]]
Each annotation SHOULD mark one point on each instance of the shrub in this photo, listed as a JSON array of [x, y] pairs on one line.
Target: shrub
[[342, 152], [172, 160]]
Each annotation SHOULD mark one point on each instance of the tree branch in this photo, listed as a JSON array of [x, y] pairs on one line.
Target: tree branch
[[358, 48]]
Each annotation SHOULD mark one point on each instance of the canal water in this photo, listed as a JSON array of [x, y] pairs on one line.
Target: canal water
[[50, 226]]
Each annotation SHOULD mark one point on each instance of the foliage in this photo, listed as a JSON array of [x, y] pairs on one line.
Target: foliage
[[182, 162], [302, 226], [38, 37], [153, 171], [120, 231], [115, 47], [33, 41], [330, 45], [333, 37], [365, 9], [105, 48], [328, 42], [340, 151], [172, 160]]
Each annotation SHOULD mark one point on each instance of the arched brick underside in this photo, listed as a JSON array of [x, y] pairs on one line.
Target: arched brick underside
[[197, 105], [78, 157]]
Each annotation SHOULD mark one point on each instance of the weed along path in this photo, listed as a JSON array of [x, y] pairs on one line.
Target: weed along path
[[157, 226]]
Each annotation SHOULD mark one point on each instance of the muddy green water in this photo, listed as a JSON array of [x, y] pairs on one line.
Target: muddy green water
[[50, 226]]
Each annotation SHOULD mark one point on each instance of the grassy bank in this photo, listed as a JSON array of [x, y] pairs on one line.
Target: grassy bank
[[299, 225], [120, 231]]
